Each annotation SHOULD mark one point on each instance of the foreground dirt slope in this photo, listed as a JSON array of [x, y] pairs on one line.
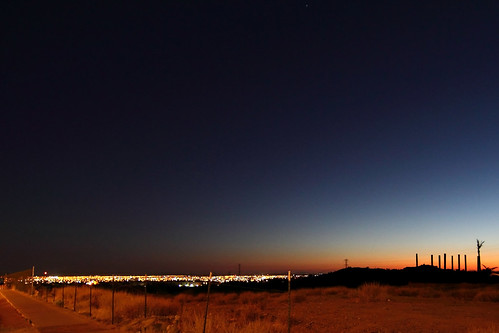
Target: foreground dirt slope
[[385, 310], [467, 309], [400, 315]]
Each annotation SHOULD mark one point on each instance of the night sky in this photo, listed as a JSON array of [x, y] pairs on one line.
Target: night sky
[[189, 137]]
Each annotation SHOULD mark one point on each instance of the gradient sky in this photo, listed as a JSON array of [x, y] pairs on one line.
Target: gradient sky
[[188, 137]]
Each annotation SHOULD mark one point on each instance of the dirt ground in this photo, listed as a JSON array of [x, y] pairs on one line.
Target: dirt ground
[[417, 308], [389, 312], [398, 315]]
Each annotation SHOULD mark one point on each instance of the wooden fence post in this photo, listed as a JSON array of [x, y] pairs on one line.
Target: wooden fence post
[[90, 301], [74, 301], [145, 296], [289, 301], [112, 304], [207, 303]]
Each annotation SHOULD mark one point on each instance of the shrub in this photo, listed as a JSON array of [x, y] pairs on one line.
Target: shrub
[[489, 329], [487, 296], [220, 322], [372, 292]]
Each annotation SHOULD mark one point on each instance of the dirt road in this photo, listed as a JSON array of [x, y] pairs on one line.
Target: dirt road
[[48, 318]]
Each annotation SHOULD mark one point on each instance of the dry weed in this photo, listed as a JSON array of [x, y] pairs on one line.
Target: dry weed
[[489, 329], [220, 322], [487, 296], [372, 292]]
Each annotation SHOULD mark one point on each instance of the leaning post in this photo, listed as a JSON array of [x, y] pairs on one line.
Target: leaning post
[[207, 302], [112, 304], [74, 301], [145, 296], [90, 301], [289, 301]]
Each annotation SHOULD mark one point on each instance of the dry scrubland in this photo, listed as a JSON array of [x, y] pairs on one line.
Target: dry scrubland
[[369, 308]]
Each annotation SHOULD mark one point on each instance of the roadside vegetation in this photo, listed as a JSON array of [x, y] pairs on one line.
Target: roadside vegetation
[[250, 311]]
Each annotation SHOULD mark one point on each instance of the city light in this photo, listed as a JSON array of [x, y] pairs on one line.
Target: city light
[[184, 280]]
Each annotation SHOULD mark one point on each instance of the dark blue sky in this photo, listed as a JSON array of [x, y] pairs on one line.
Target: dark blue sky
[[180, 137]]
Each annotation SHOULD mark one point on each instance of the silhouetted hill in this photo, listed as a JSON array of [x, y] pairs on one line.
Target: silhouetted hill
[[354, 276]]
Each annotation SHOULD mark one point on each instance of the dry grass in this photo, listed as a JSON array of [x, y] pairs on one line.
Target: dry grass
[[232, 312], [488, 329], [251, 311], [372, 292], [464, 292]]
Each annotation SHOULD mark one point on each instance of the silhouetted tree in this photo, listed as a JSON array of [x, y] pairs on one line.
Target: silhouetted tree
[[478, 246]]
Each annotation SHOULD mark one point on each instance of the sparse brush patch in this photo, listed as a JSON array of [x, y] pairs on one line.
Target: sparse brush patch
[[224, 299], [329, 291], [249, 297], [404, 291], [315, 291], [300, 298], [431, 293], [488, 329], [251, 313], [487, 296], [417, 290], [464, 294], [372, 292], [339, 291], [163, 306], [221, 322]]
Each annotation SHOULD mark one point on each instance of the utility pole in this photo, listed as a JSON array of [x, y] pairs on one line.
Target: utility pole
[[32, 279], [346, 263]]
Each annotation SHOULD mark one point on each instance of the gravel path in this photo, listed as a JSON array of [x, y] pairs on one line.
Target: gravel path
[[48, 318]]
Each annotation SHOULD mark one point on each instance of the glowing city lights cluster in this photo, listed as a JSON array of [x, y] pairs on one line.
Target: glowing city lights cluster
[[183, 280]]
